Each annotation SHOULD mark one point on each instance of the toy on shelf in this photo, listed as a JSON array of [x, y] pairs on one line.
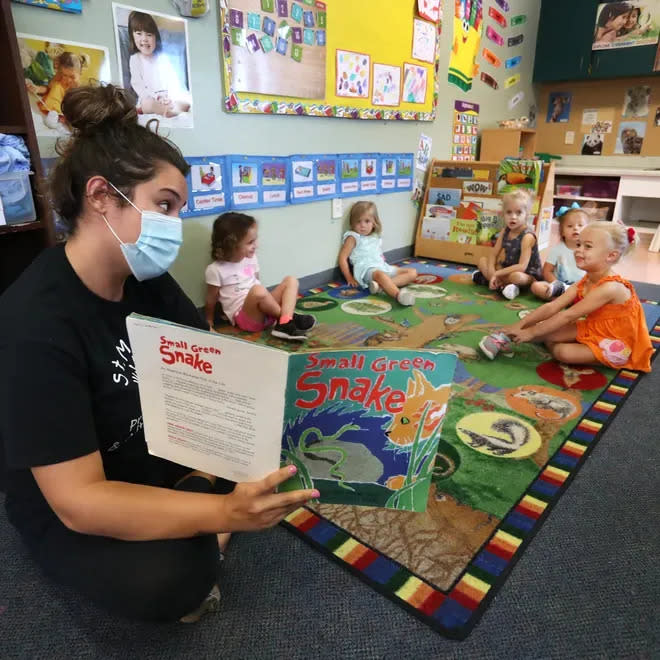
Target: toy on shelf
[[520, 122]]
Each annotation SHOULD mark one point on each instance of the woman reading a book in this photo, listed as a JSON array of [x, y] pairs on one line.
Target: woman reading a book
[[133, 532]]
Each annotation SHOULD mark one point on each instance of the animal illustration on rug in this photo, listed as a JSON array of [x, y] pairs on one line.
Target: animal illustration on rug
[[517, 432], [544, 401], [432, 328]]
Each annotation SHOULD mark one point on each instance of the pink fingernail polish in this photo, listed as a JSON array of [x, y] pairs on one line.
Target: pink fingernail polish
[[293, 469], [315, 494]]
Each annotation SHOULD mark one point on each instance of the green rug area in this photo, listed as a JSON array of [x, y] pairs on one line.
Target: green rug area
[[516, 430], [453, 314]]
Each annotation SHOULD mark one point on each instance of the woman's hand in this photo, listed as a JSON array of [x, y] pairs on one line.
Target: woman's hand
[[254, 505]]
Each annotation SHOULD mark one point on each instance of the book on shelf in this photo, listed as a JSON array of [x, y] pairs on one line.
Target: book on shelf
[[361, 425]]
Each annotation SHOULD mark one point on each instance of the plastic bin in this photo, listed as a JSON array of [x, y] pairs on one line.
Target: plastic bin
[[16, 195], [569, 190]]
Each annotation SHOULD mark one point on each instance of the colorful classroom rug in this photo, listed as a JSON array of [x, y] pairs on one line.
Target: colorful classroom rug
[[516, 432]]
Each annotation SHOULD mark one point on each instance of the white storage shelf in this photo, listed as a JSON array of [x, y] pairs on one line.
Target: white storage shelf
[[637, 203]]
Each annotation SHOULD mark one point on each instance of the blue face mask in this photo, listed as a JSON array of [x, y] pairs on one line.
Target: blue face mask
[[157, 245]]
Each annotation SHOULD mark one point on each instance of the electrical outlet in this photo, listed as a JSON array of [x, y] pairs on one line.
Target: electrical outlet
[[337, 208]]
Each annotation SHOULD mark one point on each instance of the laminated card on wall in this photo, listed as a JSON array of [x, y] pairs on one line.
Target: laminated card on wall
[[258, 181], [313, 177], [361, 425], [207, 186]]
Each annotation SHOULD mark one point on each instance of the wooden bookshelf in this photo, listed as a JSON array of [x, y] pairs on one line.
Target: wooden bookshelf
[[468, 253], [20, 244]]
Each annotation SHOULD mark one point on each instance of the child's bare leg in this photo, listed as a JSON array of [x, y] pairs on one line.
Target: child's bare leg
[[542, 290], [386, 283], [286, 294], [404, 276], [564, 348], [260, 303], [519, 279], [485, 269]]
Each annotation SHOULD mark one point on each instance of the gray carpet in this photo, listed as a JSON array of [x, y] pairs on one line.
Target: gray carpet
[[587, 587]]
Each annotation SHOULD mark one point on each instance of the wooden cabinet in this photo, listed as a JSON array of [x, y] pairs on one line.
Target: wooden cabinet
[[500, 143], [20, 244], [563, 46]]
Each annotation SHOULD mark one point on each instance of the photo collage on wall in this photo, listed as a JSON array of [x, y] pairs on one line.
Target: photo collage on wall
[[465, 132], [234, 182]]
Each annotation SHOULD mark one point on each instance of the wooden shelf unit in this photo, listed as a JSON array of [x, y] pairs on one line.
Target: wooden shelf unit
[[458, 252], [20, 244], [500, 143]]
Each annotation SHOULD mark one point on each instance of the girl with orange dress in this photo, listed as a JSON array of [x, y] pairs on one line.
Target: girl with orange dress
[[600, 319]]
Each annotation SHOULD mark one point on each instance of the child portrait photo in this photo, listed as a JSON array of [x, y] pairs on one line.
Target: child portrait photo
[[50, 68], [154, 64]]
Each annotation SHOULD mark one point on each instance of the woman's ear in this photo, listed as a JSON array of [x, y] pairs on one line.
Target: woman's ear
[[97, 194]]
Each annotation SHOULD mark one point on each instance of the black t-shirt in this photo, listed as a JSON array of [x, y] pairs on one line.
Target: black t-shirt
[[67, 380]]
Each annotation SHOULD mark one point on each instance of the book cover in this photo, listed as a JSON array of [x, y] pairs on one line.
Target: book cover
[[361, 425], [464, 231], [436, 228], [519, 173], [489, 226]]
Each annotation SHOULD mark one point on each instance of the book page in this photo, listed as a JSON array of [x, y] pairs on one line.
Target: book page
[[209, 402], [363, 425]]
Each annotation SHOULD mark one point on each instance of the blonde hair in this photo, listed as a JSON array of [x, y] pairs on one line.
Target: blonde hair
[[359, 209], [562, 219], [622, 238], [518, 195]]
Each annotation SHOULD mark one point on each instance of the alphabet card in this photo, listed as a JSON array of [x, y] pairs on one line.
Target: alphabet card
[[361, 426]]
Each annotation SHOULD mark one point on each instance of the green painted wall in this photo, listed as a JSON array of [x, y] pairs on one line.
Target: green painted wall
[[299, 240]]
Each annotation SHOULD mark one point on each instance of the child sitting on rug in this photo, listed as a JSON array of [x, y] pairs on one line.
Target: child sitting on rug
[[362, 246], [514, 262], [559, 269], [233, 280], [597, 320]]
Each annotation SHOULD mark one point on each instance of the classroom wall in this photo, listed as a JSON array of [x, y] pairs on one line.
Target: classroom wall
[[302, 239], [601, 94]]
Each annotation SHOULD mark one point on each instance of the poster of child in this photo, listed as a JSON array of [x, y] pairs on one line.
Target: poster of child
[[154, 63], [626, 24], [52, 67]]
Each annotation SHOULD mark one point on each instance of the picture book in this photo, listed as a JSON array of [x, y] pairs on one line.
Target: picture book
[[464, 231], [519, 173], [437, 228], [489, 226], [361, 425]]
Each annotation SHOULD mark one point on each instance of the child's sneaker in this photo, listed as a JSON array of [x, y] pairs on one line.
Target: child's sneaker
[[510, 291], [374, 287], [478, 278], [495, 343], [288, 330], [304, 322], [405, 298], [557, 288]]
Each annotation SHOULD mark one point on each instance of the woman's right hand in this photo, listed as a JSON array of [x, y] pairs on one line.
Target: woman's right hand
[[254, 505]]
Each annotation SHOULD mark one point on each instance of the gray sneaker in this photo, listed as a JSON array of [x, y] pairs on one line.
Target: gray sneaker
[[557, 288], [495, 343]]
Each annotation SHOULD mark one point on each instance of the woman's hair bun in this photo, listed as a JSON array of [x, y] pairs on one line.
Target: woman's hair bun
[[87, 108]]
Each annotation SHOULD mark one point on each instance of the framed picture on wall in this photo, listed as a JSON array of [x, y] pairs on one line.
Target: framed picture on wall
[[154, 64]]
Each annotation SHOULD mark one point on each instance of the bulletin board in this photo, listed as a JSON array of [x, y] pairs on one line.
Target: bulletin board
[[301, 77], [608, 98]]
